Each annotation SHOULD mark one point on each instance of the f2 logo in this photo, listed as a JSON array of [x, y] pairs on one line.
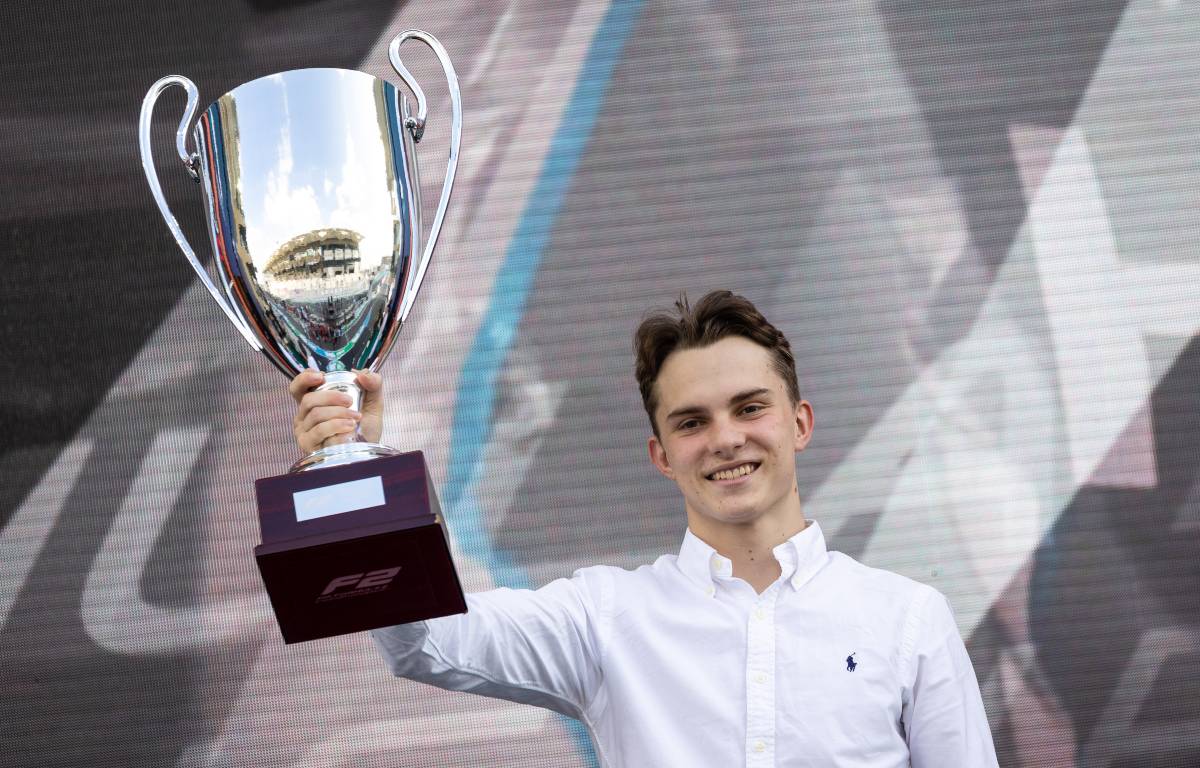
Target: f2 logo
[[357, 581]]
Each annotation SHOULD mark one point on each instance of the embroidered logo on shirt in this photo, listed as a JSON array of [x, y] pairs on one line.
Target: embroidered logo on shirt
[[851, 664]]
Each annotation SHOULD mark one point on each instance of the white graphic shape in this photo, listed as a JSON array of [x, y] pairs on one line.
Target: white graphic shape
[[23, 538], [115, 614]]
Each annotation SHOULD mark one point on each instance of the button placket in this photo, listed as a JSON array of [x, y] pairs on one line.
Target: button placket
[[760, 682]]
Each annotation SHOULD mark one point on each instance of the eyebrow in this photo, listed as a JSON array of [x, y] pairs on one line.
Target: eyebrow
[[690, 410]]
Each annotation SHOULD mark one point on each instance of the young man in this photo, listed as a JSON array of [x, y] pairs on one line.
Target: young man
[[754, 646]]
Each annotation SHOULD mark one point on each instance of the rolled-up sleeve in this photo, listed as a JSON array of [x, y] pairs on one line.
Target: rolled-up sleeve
[[944, 719], [539, 647]]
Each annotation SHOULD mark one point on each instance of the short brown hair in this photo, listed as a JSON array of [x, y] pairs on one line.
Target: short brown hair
[[717, 315]]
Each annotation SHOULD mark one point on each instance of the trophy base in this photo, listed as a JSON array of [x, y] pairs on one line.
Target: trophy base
[[344, 453], [358, 545]]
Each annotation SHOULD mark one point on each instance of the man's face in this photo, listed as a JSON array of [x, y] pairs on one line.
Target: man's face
[[728, 433]]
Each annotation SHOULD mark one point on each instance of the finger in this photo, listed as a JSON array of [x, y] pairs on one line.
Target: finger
[[323, 397], [329, 433], [305, 381], [339, 431], [329, 397], [324, 413]]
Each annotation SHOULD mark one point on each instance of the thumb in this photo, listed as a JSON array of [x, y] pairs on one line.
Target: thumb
[[372, 389], [370, 381]]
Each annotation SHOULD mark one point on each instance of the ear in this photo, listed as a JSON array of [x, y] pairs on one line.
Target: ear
[[804, 425], [658, 457]]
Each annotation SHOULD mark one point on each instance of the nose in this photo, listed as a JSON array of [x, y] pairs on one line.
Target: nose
[[727, 437]]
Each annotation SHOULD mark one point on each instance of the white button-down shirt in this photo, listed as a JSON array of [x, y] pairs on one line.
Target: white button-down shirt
[[679, 663]]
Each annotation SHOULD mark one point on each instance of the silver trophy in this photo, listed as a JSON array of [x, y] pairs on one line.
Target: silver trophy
[[314, 211]]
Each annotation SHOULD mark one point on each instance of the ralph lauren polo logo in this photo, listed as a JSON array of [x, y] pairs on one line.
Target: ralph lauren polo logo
[[851, 664]]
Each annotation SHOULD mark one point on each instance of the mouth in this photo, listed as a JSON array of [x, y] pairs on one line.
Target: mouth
[[736, 472]]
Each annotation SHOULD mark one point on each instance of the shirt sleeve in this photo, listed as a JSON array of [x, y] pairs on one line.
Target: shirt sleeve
[[534, 647], [944, 720]]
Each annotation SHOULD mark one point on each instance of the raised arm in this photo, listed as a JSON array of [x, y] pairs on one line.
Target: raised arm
[[538, 647]]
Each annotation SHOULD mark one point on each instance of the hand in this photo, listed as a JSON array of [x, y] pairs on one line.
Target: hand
[[324, 418]]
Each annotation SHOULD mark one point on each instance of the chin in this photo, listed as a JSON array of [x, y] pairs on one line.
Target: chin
[[735, 516]]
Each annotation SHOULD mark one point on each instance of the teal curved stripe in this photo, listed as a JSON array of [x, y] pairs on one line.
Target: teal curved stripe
[[475, 402]]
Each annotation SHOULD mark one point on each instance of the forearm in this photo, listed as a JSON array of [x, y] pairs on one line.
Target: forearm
[[511, 644]]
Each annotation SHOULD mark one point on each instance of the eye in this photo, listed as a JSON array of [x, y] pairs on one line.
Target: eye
[[752, 408], [688, 424]]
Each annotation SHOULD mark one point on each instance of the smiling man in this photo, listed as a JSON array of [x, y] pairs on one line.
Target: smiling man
[[727, 420], [754, 646]]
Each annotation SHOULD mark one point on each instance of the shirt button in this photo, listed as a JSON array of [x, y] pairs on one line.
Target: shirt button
[[759, 746], [711, 591], [759, 614], [760, 678]]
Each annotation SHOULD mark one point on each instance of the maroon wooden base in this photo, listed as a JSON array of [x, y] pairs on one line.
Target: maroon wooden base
[[346, 571]]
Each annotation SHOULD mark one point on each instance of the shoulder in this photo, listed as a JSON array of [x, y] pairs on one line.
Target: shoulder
[[603, 581], [884, 597], [878, 582], [611, 576]]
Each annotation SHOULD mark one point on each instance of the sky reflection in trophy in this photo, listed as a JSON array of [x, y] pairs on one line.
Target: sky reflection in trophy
[[311, 183]]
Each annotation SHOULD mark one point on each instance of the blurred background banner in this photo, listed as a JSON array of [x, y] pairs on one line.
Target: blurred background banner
[[976, 222]]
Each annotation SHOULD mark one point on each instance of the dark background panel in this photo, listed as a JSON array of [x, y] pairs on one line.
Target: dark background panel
[[91, 267]]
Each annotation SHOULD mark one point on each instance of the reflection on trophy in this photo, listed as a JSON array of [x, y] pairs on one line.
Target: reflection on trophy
[[314, 212]]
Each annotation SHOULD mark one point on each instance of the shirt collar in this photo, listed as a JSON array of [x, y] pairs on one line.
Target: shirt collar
[[799, 558]]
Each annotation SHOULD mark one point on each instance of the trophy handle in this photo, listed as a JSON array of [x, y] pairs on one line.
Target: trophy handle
[[191, 162], [416, 126]]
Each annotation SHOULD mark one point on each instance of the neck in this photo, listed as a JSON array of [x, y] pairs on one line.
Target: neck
[[749, 546]]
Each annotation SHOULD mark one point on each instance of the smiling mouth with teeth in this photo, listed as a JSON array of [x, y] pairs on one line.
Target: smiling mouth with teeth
[[736, 472]]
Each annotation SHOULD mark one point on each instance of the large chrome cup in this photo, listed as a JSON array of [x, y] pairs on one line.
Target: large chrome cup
[[314, 212]]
